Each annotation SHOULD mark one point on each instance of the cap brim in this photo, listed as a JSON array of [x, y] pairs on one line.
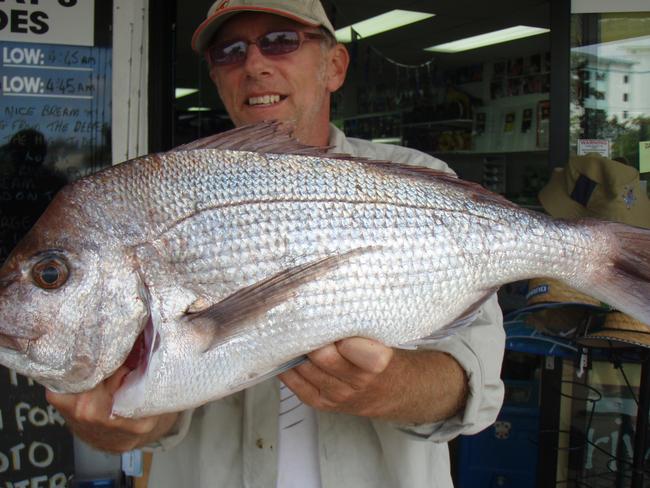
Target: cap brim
[[209, 27]]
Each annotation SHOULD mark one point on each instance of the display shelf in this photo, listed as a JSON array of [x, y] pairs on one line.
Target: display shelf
[[370, 115], [453, 123], [470, 152]]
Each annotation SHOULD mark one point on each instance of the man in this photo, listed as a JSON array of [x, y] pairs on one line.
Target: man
[[361, 414]]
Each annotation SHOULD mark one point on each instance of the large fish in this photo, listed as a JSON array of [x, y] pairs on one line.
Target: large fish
[[213, 267]]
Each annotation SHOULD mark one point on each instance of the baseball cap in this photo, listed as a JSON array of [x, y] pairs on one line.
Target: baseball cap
[[308, 12]]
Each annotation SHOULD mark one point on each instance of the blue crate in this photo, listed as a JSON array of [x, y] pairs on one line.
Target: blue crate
[[505, 454]]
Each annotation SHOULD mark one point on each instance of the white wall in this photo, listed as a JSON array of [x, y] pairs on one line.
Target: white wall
[[130, 78]]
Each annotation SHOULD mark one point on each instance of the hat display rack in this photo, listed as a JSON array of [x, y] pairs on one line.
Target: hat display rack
[[561, 322]]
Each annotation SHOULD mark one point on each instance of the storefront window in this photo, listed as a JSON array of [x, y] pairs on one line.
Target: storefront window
[[610, 73]]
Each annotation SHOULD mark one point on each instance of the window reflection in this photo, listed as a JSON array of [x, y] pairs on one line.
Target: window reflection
[[610, 73]]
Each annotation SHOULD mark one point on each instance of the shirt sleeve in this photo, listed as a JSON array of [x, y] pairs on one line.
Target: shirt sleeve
[[175, 435], [478, 347]]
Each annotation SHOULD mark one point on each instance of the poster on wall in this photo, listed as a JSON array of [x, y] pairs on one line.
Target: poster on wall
[[55, 126]]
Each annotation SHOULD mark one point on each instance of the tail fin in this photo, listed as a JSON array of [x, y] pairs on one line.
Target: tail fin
[[624, 281]]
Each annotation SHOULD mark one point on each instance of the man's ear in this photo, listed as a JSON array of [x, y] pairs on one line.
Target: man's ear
[[339, 59]]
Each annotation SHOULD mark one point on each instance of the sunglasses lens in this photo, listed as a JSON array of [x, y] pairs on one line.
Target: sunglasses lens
[[271, 44], [275, 43], [229, 53]]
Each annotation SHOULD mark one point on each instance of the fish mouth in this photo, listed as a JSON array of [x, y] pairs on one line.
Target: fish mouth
[[144, 347], [14, 343], [17, 343]]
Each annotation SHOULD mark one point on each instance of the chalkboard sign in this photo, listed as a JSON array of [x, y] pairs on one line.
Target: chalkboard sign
[[54, 126], [55, 119], [35, 449]]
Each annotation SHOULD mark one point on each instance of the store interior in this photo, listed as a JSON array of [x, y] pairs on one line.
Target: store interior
[[483, 111], [506, 115]]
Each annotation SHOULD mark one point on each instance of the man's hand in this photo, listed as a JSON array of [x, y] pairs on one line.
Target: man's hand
[[88, 415], [363, 377]]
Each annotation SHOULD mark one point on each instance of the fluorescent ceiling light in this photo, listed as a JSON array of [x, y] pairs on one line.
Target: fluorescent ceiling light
[[388, 140], [487, 39], [183, 92], [381, 23], [198, 109]]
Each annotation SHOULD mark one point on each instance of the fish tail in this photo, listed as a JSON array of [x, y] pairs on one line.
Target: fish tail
[[624, 281]]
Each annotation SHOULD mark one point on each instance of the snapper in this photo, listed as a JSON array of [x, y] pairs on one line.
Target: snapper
[[216, 265]]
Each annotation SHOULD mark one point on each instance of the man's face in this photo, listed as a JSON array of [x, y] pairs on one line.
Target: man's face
[[292, 87]]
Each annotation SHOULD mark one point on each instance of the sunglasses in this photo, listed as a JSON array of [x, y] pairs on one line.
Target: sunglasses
[[274, 43]]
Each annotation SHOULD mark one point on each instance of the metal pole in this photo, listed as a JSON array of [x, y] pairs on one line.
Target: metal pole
[[640, 436]]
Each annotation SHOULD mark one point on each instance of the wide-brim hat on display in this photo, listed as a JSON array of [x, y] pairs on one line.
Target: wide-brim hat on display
[[590, 186], [593, 186], [307, 12]]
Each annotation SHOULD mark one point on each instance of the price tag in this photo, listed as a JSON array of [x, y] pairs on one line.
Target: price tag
[[132, 463]]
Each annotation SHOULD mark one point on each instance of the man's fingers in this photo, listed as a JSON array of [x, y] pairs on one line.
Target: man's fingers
[[114, 381], [329, 360], [61, 401], [303, 389], [369, 355]]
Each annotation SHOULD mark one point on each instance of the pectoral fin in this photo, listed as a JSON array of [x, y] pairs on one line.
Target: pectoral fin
[[231, 315]]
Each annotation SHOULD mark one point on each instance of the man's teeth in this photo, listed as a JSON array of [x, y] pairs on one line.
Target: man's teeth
[[264, 100]]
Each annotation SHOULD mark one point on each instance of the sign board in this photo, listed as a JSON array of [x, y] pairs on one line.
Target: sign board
[[598, 146], [48, 21], [35, 447], [55, 119]]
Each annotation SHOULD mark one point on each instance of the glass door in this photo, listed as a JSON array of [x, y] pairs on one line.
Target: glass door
[[610, 73]]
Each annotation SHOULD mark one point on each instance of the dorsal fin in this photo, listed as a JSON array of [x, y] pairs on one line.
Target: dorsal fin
[[277, 138], [265, 137]]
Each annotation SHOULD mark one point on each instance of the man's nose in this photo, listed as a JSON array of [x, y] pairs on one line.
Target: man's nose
[[256, 63]]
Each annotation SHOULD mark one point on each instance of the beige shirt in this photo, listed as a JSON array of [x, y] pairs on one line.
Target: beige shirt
[[232, 442]]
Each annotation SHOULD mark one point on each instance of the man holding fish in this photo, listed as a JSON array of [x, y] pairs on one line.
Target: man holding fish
[[356, 413]]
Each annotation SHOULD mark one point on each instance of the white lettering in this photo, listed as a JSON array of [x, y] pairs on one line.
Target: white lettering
[[22, 84], [20, 418], [49, 454], [36, 482], [39, 454], [36, 416], [4, 462], [21, 55], [59, 480], [15, 455]]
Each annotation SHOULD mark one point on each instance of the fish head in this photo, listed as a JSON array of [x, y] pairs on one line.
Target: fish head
[[71, 303]]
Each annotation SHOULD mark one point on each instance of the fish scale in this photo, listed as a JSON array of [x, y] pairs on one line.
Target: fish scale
[[227, 263]]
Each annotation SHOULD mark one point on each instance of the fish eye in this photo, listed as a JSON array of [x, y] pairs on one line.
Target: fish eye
[[50, 272]]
